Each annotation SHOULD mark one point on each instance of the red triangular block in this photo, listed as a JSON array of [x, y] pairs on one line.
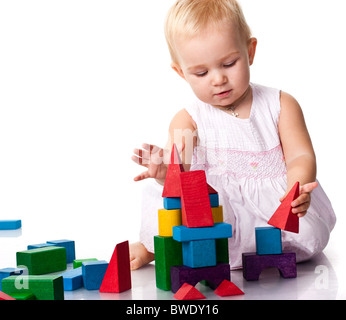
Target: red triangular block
[[188, 292], [4, 296], [171, 188], [283, 218], [118, 274], [227, 288], [195, 203]]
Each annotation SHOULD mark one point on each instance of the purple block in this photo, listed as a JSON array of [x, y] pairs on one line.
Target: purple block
[[214, 275], [253, 264]]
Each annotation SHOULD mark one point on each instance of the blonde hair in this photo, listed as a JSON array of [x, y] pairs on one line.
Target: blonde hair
[[188, 17]]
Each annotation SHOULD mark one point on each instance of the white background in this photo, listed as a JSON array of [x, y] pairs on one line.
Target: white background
[[82, 83]]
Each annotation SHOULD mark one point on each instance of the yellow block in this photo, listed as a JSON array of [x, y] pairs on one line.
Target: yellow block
[[217, 214], [167, 220]]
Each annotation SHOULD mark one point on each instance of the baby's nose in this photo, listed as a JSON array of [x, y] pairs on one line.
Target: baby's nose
[[219, 79]]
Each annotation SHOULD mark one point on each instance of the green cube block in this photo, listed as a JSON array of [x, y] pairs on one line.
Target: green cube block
[[46, 287], [168, 253], [43, 260]]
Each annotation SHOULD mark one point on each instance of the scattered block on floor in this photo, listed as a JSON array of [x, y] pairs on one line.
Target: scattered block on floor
[[7, 272], [214, 275], [23, 296], [167, 220], [4, 296], [195, 203], [39, 245], [283, 218], [172, 187], [168, 252], [73, 279], [227, 288], [69, 245], [188, 292], [78, 262], [218, 231], [199, 253], [171, 203], [43, 287], [217, 213], [93, 273], [268, 240], [10, 224], [43, 260], [222, 253], [118, 274], [253, 264]]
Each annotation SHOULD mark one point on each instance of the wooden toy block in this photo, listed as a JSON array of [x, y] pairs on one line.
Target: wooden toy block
[[23, 296], [78, 262], [69, 245], [199, 253], [268, 240], [167, 220], [4, 296], [214, 275], [168, 252], [93, 273], [39, 245], [7, 272], [214, 199], [283, 218], [43, 287], [218, 231], [118, 275], [10, 224], [253, 264], [188, 292], [195, 203], [217, 213], [172, 182], [73, 279], [43, 260], [171, 203], [227, 288], [222, 254]]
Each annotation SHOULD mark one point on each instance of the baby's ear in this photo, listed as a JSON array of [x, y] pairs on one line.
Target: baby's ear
[[176, 67], [252, 50]]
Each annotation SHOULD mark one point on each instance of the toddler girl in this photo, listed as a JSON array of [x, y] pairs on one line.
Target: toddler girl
[[251, 140]]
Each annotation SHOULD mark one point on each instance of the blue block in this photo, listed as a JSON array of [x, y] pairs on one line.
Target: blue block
[[171, 203], [214, 199], [6, 272], [268, 240], [39, 245], [10, 224], [73, 279], [93, 273], [68, 245], [218, 231], [199, 253]]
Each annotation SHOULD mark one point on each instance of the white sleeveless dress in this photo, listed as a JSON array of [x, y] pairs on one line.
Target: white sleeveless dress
[[244, 162]]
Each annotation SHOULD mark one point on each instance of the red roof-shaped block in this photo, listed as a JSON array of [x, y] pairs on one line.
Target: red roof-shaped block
[[283, 218], [171, 188], [118, 274], [227, 288], [188, 292], [4, 296]]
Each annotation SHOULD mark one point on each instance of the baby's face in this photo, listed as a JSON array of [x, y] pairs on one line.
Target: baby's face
[[216, 65]]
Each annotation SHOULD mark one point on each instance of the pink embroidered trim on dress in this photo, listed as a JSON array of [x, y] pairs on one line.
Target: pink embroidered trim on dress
[[240, 164]]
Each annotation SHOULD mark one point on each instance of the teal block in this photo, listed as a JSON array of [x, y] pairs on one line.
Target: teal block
[[199, 253], [93, 273], [218, 231], [69, 245], [10, 224], [73, 279], [39, 245], [171, 203], [214, 200], [268, 240]]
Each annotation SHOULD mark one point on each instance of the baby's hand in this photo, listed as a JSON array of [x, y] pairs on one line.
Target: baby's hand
[[301, 205]]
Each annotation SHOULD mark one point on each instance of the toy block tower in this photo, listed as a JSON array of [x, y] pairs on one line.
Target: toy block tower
[[269, 251], [192, 244]]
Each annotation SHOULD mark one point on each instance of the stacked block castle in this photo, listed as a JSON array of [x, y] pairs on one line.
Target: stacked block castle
[[192, 244], [269, 251]]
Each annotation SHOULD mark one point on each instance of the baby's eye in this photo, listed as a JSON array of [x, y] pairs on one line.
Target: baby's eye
[[201, 74], [231, 64]]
